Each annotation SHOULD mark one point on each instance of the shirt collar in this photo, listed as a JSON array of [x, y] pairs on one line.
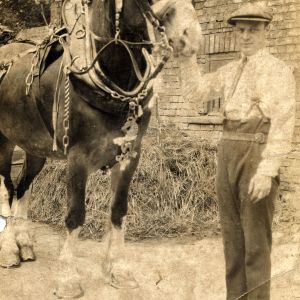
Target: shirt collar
[[260, 53]]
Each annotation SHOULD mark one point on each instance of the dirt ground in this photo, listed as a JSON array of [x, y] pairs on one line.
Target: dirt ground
[[165, 269]]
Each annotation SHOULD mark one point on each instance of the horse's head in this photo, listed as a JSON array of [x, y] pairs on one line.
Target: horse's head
[[177, 16], [182, 26], [110, 38]]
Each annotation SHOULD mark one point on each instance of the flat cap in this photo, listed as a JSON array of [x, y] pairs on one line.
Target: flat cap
[[251, 12]]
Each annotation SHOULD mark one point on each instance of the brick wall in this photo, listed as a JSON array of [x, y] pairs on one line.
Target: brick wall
[[220, 47]]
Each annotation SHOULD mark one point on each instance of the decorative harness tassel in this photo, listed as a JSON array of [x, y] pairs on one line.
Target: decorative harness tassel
[[66, 121], [56, 106]]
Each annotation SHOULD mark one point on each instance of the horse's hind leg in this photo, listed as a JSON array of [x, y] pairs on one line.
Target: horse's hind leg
[[31, 167], [9, 253], [115, 266], [7, 187]]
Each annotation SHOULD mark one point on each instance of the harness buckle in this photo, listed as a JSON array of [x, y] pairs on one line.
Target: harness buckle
[[153, 20], [117, 35], [86, 2], [259, 138]]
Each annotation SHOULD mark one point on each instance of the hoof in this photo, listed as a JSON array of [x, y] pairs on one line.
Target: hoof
[[123, 280], [9, 259], [27, 254], [68, 290], [24, 243]]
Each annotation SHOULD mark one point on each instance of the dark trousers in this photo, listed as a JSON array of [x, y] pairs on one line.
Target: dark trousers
[[246, 227]]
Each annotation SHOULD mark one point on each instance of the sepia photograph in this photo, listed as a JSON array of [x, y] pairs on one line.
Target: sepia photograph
[[150, 149]]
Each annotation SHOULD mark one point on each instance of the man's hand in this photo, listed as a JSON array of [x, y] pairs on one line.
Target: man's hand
[[259, 187]]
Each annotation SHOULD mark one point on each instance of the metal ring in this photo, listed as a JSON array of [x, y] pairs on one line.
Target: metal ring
[[66, 124], [259, 137], [132, 105], [115, 95], [80, 34], [68, 5], [66, 140]]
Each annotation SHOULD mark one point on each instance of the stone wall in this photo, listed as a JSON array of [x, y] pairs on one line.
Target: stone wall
[[219, 48]]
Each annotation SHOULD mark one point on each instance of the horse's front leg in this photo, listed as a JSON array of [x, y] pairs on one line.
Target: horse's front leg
[[68, 285], [115, 266]]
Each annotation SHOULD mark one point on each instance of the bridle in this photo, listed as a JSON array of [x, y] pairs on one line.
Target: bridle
[[93, 68]]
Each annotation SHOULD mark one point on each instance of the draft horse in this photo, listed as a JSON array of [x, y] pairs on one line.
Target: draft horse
[[84, 95]]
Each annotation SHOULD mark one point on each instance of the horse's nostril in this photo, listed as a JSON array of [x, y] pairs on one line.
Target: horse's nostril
[[182, 42], [171, 42]]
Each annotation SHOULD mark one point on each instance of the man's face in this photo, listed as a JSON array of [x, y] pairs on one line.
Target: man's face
[[251, 36]]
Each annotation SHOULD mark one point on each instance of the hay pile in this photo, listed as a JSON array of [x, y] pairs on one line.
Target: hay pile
[[172, 192]]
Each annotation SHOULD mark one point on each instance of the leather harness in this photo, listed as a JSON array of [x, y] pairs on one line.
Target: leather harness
[[80, 59]]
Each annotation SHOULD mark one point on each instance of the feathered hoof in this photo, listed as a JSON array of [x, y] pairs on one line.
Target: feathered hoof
[[123, 280], [27, 253], [69, 290], [9, 259], [24, 243]]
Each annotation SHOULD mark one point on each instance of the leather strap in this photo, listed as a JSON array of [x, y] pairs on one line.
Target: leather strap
[[18, 56], [147, 11], [238, 75]]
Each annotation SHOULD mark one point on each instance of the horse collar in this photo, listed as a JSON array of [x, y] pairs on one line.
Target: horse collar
[[80, 53]]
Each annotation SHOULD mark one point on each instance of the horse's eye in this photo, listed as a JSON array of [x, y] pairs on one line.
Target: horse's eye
[[166, 16], [169, 14]]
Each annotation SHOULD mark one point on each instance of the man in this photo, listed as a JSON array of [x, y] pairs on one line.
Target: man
[[259, 93]]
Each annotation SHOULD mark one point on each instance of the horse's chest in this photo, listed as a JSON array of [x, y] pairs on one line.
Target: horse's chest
[[101, 153]]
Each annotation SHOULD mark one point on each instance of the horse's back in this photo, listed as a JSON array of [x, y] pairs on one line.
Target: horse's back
[[19, 57], [11, 51]]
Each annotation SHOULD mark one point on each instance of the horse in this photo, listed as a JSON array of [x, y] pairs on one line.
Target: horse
[[84, 95]]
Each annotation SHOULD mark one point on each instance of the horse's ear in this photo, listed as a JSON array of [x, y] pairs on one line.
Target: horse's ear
[[161, 6]]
